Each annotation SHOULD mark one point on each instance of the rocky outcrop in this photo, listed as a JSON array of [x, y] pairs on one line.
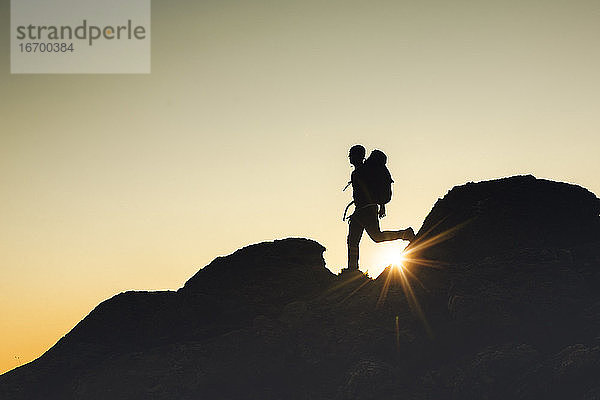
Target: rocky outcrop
[[484, 219], [505, 305], [120, 333]]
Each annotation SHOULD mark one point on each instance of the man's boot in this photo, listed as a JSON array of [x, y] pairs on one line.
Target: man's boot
[[408, 234], [404, 234]]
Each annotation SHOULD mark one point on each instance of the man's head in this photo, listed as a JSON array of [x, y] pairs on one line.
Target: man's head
[[357, 154]]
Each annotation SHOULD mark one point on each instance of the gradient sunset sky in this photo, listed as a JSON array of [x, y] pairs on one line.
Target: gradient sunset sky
[[240, 134]]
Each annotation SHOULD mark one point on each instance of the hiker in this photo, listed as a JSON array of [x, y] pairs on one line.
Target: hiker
[[371, 190]]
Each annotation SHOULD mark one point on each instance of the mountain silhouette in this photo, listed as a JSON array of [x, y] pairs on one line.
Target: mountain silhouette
[[499, 299]]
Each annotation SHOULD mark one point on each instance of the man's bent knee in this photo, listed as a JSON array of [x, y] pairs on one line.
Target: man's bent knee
[[377, 236]]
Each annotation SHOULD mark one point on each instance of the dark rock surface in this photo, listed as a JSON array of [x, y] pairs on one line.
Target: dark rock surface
[[489, 218], [505, 306]]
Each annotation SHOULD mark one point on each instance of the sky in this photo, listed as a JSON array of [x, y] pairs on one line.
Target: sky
[[240, 134]]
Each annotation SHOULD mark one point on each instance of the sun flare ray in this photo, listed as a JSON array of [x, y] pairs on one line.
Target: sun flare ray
[[402, 268]]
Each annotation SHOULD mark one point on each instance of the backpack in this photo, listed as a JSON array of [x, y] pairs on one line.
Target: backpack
[[379, 179]]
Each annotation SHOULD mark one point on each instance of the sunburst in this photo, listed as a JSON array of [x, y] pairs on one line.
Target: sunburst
[[407, 262]]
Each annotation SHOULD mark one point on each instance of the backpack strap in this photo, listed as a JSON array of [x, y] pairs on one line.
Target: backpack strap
[[346, 210]]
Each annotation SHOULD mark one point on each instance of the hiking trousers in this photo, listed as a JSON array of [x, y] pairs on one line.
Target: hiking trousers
[[366, 219]]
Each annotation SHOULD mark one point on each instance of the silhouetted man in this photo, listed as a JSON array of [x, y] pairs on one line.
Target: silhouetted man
[[367, 207]]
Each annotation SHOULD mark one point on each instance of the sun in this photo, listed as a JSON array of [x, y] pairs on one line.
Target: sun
[[397, 260], [390, 253]]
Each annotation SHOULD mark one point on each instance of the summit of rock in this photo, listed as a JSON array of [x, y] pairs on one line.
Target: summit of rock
[[482, 219]]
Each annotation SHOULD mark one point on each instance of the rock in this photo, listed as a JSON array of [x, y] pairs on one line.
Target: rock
[[574, 363], [495, 372], [264, 273], [506, 306], [488, 218], [368, 379], [592, 394], [295, 314]]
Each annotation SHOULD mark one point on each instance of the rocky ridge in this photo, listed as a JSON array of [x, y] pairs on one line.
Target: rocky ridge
[[501, 300]]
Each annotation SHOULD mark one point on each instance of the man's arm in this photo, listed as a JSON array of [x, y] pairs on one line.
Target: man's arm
[[381, 210]]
